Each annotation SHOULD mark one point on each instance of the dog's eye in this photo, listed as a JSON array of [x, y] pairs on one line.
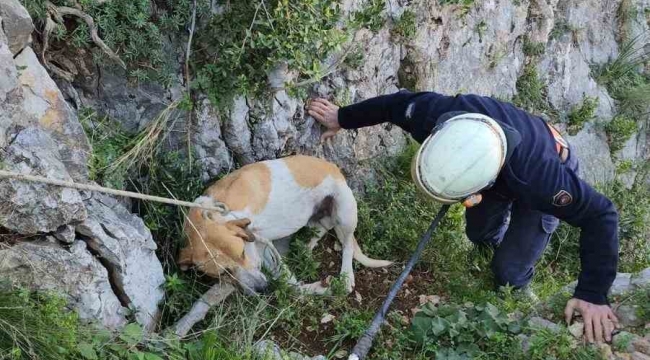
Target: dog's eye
[[243, 254]]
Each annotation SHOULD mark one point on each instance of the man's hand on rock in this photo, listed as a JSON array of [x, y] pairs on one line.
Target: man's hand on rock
[[599, 320], [325, 113]]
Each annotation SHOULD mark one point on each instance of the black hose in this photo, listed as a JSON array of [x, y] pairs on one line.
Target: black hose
[[365, 343]]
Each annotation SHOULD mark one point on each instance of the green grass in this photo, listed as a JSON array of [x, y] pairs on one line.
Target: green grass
[[624, 80], [531, 48], [581, 114]]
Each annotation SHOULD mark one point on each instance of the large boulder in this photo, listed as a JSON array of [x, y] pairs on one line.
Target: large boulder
[[73, 272], [29, 207], [128, 251], [17, 25], [43, 101]]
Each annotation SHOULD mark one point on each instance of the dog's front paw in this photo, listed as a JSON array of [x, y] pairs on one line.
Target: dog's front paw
[[316, 288]]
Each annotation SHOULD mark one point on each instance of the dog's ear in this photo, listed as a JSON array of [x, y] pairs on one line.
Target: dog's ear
[[185, 258], [240, 226]]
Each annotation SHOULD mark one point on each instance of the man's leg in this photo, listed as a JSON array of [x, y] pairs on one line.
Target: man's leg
[[487, 222], [527, 236]]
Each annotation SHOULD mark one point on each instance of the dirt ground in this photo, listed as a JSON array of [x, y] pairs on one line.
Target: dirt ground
[[372, 286]]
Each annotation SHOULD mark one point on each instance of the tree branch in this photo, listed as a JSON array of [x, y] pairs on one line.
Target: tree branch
[[58, 11]]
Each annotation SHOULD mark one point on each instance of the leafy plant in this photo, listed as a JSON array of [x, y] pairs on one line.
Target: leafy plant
[[619, 130], [405, 25], [372, 16], [454, 330], [531, 92], [239, 48], [582, 114]]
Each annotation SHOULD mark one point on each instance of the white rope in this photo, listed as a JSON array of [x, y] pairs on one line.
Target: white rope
[[222, 208]]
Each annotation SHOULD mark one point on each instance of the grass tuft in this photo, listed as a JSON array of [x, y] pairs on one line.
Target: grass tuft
[[582, 114]]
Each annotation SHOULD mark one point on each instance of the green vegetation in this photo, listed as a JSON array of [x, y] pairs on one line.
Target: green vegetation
[[624, 81], [371, 17], [471, 331], [619, 130], [531, 93], [560, 28], [532, 48], [582, 114], [405, 26]]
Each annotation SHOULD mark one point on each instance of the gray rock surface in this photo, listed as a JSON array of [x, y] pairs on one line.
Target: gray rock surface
[[128, 251], [641, 280], [627, 315], [621, 285], [43, 100], [541, 323], [211, 150], [17, 25], [27, 207], [268, 350], [72, 272]]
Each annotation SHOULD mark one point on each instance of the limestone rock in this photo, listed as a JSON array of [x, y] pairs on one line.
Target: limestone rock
[[237, 133], [8, 72], [577, 329], [267, 350], [642, 345], [593, 153], [210, 148], [627, 316], [621, 285], [17, 24], [641, 280], [128, 250], [639, 356], [541, 323], [28, 207], [623, 341], [72, 272], [43, 100]]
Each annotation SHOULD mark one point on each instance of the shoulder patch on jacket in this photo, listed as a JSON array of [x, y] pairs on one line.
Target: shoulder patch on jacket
[[562, 198]]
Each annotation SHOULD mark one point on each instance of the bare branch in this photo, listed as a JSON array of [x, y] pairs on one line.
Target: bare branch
[[58, 11]]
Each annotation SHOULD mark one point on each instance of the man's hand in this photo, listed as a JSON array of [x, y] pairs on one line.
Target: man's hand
[[599, 320], [327, 114]]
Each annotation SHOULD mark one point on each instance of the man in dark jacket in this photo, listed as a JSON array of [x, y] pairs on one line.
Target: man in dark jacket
[[536, 185]]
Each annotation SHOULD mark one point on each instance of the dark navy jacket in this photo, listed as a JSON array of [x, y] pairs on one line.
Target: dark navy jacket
[[532, 175]]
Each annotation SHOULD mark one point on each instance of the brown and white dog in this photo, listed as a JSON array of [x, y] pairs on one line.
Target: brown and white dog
[[271, 200]]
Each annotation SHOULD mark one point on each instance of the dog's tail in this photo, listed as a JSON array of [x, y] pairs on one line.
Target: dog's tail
[[365, 260]]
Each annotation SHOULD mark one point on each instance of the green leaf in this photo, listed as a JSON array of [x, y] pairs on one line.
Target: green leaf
[[439, 325], [87, 351], [132, 334], [151, 356]]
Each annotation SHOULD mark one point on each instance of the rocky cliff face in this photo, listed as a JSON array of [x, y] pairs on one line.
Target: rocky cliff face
[[103, 256], [84, 245]]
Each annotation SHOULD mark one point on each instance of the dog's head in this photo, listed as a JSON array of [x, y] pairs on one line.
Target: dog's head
[[216, 245]]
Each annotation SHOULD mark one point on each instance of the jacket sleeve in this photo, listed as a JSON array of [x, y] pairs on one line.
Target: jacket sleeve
[[555, 189], [393, 108]]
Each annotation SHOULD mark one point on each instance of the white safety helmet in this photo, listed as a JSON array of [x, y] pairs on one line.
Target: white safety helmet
[[462, 156]]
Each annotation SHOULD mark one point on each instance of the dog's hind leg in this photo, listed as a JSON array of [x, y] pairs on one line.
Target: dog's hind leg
[[319, 231]]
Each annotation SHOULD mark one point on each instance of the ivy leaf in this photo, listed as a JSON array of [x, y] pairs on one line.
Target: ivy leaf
[[439, 325], [87, 351]]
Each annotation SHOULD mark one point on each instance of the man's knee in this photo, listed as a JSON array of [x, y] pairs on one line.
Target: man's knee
[[487, 233], [511, 273]]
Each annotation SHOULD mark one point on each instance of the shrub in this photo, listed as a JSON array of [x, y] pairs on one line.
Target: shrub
[[531, 48], [531, 92], [582, 114], [619, 130], [405, 26]]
